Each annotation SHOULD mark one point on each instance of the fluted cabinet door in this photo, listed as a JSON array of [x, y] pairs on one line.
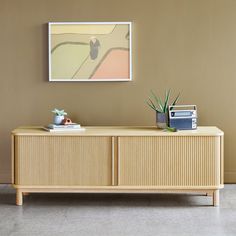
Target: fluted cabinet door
[[169, 161], [63, 160]]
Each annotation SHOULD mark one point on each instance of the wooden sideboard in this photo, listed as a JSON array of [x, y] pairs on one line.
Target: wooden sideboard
[[118, 159]]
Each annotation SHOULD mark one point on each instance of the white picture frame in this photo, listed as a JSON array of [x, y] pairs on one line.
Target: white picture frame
[[90, 51]]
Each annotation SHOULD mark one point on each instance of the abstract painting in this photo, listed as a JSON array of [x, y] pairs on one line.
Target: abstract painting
[[90, 51]]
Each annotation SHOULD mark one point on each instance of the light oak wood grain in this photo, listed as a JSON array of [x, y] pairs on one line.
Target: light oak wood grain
[[120, 131], [216, 198], [170, 161], [125, 188], [19, 197], [222, 159], [118, 159], [65, 160], [12, 158]]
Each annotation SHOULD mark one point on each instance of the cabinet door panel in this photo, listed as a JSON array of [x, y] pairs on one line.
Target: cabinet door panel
[[169, 161], [62, 160]]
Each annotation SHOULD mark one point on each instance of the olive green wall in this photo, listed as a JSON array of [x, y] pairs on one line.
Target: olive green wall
[[186, 45]]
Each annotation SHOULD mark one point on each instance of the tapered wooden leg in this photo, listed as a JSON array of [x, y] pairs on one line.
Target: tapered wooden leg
[[216, 198], [19, 197]]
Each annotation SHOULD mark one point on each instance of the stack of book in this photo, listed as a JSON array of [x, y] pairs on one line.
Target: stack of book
[[62, 128]]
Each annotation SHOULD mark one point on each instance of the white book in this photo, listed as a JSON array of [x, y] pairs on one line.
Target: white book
[[63, 130], [73, 125]]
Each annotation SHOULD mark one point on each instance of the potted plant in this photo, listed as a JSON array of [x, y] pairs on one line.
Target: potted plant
[[161, 108], [59, 116]]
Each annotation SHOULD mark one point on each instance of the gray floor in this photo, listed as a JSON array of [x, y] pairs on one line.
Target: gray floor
[[119, 215]]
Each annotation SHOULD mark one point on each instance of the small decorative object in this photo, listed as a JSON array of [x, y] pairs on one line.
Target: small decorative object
[[66, 121], [59, 116], [90, 51], [161, 108]]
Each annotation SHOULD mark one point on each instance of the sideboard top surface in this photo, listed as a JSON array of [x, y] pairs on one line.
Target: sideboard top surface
[[119, 131]]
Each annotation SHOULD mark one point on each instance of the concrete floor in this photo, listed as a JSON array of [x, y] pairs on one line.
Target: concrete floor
[[117, 214]]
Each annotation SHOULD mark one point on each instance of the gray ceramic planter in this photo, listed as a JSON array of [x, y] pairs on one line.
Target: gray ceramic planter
[[58, 119], [162, 120]]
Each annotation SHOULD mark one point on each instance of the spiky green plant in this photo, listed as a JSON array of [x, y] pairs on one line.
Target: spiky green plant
[[59, 112], [158, 105]]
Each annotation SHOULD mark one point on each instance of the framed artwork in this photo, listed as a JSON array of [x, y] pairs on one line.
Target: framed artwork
[[90, 51]]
